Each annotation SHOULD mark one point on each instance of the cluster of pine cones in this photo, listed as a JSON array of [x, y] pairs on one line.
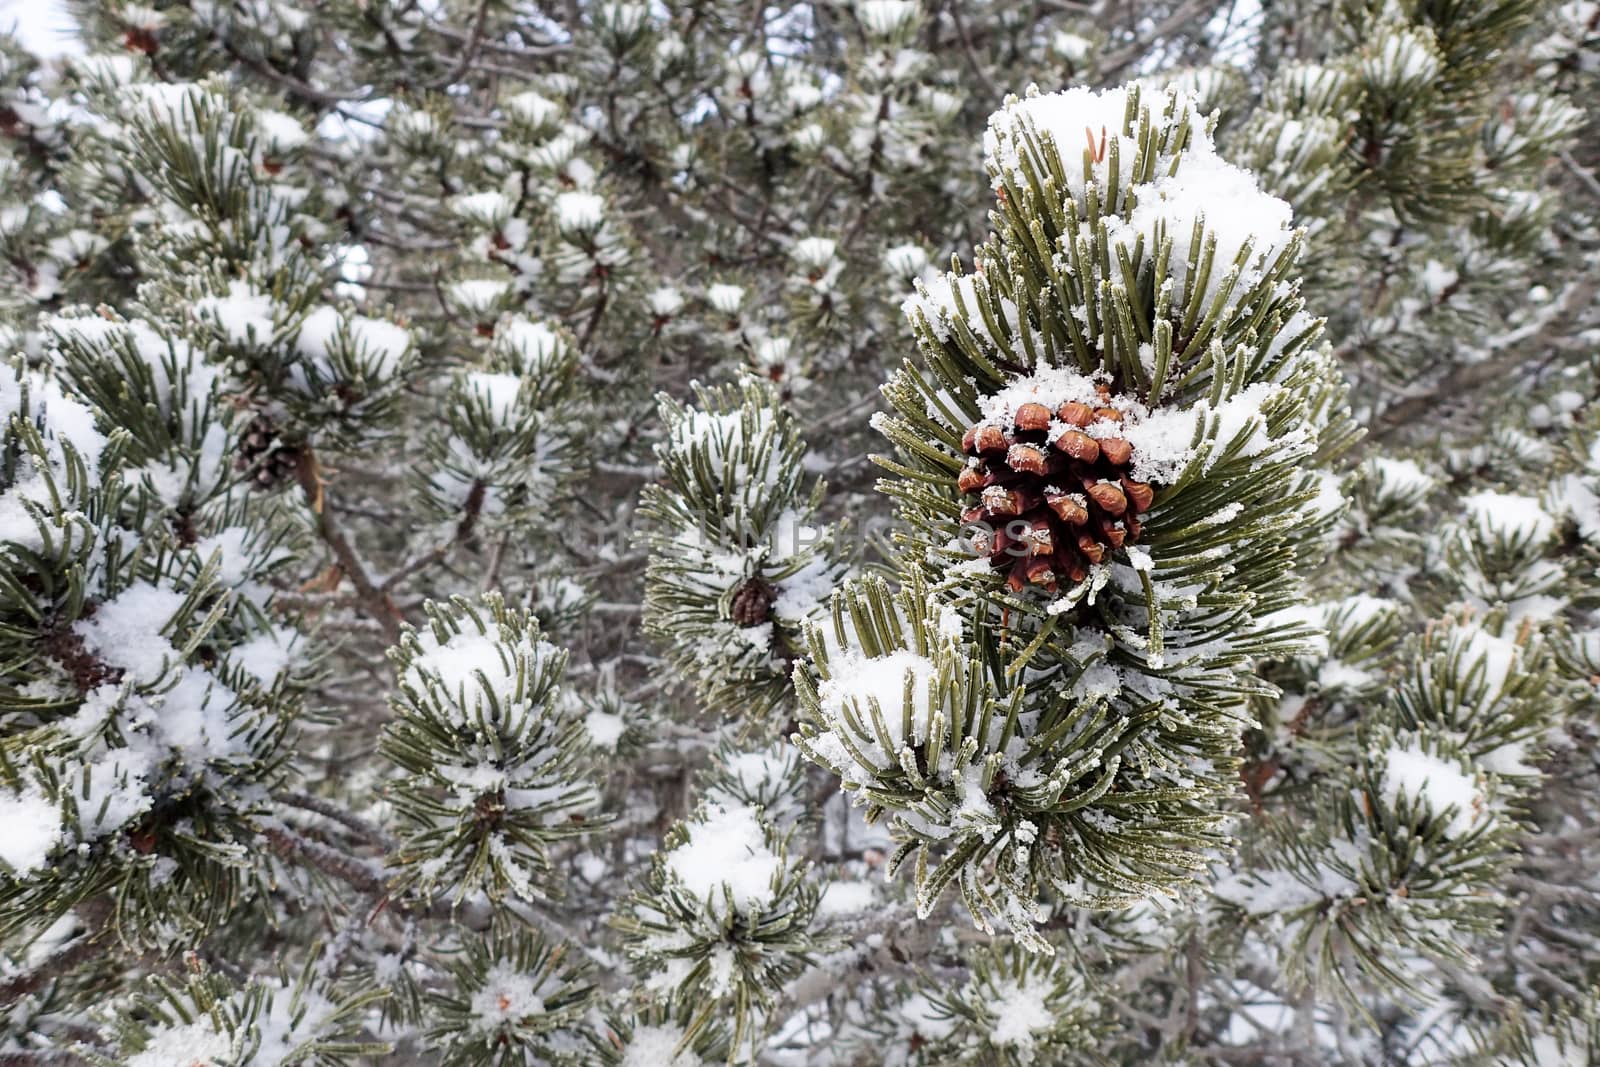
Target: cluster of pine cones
[[1050, 505]]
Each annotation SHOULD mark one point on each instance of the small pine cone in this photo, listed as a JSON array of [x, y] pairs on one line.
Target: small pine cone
[[752, 603], [262, 452], [1051, 498], [489, 809]]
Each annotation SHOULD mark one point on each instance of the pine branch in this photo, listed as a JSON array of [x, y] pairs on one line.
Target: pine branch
[[355, 872], [1585, 177], [52, 1057], [82, 950], [376, 603], [329, 810], [1517, 348], [465, 527]]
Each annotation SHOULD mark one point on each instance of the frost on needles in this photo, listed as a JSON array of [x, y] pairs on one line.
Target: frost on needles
[[1105, 463], [453, 616]]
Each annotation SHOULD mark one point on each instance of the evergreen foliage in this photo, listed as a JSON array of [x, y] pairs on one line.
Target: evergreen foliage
[[865, 532]]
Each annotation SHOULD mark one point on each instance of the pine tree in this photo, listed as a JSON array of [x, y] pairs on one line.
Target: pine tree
[[880, 532]]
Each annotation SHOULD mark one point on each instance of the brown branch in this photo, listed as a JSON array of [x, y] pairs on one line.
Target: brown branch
[[349, 869], [465, 528], [331, 811], [82, 950], [375, 603]]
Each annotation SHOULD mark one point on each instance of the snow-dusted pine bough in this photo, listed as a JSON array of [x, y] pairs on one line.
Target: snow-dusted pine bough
[[449, 618]]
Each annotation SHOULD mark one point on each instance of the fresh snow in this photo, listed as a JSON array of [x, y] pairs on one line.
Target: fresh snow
[[577, 211], [1510, 516], [1498, 656], [499, 393], [657, 1046], [473, 667], [856, 681], [1234, 212], [508, 997], [32, 828], [725, 855], [1022, 1014], [245, 315], [536, 347], [1436, 784], [196, 1044]]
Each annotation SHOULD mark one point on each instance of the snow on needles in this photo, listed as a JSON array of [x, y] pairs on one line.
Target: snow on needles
[[1022, 1014], [477, 671], [1509, 516], [196, 1044], [857, 681], [1439, 785], [32, 828], [658, 1046], [510, 996], [725, 857], [1206, 189]]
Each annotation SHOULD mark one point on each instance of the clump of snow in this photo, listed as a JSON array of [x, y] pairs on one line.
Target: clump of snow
[[846, 898], [884, 18], [658, 1046], [509, 996], [244, 315], [64, 423], [477, 295], [1402, 55], [761, 770], [905, 261], [110, 69], [856, 681], [1401, 478], [1022, 1014], [1497, 655], [266, 656], [814, 252], [279, 132], [1510, 516], [579, 211], [534, 345], [725, 856], [725, 298], [192, 712], [664, 302], [926, 1019], [472, 667], [1076, 121], [489, 208], [533, 108], [1438, 785], [196, 1044], [1070, 46], [605, 729], [1233, 209], [32, 828], [720, 436], [942, 297], [499, 392]]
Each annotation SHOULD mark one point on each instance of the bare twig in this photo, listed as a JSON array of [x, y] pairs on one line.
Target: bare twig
[[329, 810]]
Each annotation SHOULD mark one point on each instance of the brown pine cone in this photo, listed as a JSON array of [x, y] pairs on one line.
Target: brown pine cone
[[1055, 499], [264, 454], [752, 603]]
